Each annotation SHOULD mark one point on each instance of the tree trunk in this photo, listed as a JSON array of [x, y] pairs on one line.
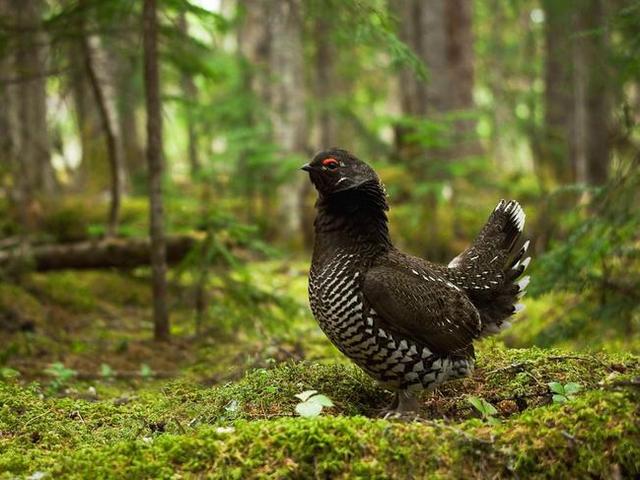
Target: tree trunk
[[325, 81], [287, 99], [95, 254], [8, 116], [325, 90], [439, 32], [125, 68], [460, 65], [92, 174], [155, 166], [254, 46], [30, 141], [597, 94], [577, 95], [190, 92], [31, 64], [106, 109], [559, 97]]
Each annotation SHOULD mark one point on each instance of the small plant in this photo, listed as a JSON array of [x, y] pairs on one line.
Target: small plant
[[312, 403], [61, 375], [145, 371], [106, 371], [7, 373], [485, 408], [564, 393]]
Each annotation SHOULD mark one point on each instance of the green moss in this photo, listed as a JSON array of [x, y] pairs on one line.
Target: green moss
[[116, 288], [247, 429], [15, 301], [559, 319], [65, 289], [597, 432]]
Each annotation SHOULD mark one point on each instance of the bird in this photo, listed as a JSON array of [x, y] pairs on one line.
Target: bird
[[407, 322]]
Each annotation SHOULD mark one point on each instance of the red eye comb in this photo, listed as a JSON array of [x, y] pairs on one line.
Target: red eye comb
[[329, 161]]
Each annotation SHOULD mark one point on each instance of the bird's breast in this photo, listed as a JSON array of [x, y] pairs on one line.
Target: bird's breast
[[335, 295]]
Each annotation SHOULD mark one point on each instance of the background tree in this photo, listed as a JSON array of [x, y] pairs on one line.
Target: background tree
[[110, 127], [155, 166], [456, 103]]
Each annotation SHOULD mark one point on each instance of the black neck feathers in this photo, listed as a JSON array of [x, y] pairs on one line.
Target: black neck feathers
[[354, 218]]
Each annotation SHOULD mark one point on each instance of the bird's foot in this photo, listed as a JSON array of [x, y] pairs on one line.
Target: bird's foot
[[399, 416], [405, 407]]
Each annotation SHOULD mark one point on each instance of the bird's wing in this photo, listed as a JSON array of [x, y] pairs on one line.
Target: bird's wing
[[415, 302]]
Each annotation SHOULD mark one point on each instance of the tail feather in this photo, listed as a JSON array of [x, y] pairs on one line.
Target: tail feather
[[490, 269]]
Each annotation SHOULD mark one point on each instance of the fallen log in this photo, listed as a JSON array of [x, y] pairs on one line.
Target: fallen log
[[95, 254]]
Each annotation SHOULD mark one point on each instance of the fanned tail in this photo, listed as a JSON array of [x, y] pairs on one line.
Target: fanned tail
[[490, 269]]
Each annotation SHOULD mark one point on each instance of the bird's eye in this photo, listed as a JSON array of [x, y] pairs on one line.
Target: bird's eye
[[330, 163]]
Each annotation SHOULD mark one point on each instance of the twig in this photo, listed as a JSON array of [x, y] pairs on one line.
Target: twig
[[521, 365], [124, 375], [582, 359], [455, 430], [77, 412], [37, 416], [184, 432], [534, 378]]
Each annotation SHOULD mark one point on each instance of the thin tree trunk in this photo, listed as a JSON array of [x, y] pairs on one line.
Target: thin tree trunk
[[32, 144], [597, 93], [93, 175], [190, 95], [254, 44], [124, 69], [155, 165], [423, 28], [557, 151], [325, 83], [94, 254], [288, 114], [110, 128], [460, 63], [9, 140]]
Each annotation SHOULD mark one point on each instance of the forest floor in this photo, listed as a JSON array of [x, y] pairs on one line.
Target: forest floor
[[84, 393]]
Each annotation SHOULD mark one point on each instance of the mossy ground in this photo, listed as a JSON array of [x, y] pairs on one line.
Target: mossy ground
[[222, 405]]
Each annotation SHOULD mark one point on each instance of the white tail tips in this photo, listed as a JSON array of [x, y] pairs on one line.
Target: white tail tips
[[518, 307], [522, 283], [514, 209]]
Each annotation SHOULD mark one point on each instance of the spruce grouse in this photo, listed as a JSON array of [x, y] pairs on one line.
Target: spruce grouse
[[407, 322]]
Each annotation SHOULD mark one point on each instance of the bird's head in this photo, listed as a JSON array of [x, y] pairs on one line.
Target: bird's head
[[335, 170]]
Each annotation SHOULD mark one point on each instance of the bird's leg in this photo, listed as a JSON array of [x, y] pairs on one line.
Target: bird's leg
[[405, 404]]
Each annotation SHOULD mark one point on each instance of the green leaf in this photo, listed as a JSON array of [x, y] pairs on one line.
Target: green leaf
[[233, 406], [556, 388], [560, 399], [304, 396], [106, 371], [484, 407], [488, 408], [145, 371], [308, 409], [572, 388], [7, 373], [477, 403], [321, 400]]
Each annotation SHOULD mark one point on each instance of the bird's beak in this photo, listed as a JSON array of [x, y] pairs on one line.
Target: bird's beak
[[306, 167]]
